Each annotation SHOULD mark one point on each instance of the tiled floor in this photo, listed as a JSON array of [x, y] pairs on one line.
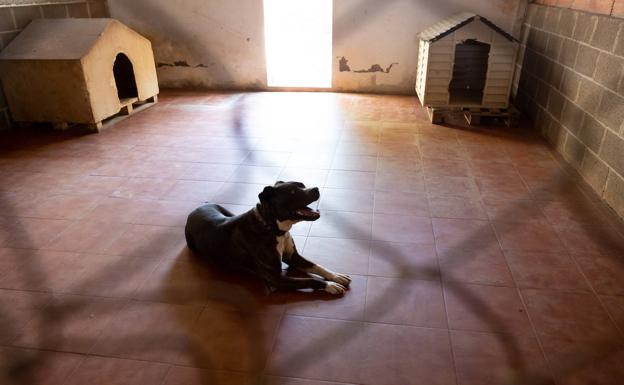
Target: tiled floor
[[477, 257]]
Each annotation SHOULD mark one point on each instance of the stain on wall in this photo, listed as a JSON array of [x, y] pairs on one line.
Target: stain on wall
[[181, 63], [343, 65], [376, 68]]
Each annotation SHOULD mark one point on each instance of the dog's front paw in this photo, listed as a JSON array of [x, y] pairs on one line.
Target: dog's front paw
[[334, 288], [342, 279]]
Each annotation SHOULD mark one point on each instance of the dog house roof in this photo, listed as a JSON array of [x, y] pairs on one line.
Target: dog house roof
[[447, 26], [56, 39]]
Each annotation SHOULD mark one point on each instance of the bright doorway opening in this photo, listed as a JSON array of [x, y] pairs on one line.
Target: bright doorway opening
[[298, 43]]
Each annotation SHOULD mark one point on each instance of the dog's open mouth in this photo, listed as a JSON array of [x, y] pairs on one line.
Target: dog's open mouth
[[308, 214]]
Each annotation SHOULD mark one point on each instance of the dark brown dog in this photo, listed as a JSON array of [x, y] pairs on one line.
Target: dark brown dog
[[259, 240]]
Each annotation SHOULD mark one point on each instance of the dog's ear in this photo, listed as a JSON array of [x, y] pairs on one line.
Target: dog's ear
[[266, 194], [279, 182]]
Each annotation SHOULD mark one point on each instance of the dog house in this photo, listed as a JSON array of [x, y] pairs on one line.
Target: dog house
[[465, 61], [77, 71]]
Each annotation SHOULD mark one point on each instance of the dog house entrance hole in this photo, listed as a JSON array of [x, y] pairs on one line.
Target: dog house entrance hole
[[469, 72], [124, 77]]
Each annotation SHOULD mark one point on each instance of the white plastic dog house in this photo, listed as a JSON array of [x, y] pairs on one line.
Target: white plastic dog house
[[76, 71], [465, 61]]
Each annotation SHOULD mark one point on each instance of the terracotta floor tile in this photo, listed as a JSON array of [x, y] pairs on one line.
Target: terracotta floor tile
[[398, 164], [180, 375], [68, 206], [309, 177], [451, 186], [25, 366], [483, 264], [148, 331], [405, 181], [255, 174], [178, 281], [369, 353], [342, 224], [498, 168], [238, 193], [113, 210], [354, 163], [440, 167], [402, 228], [401, 149], [108, 276], [359, 180], [69, 323], [298, 381], [209, 172], [354, 144], [105, 371], [86, 236], [403, 260], [540, 270], [347, 256], [18, 308], [605, 273], [349, 306], [483, 308], [576, 363], [163, 213], [231, 340], [143, 188], [496, 187], [590, 239], [38, 270], [96, 184], [310, 160], [30, 232], [347, 200], [572, 316], [267, 158], [401, 203], [405, 301], [441, 150], [517, 210], [484, 358], [456, 207], [582, 211], [462, 234], [148, 242], [615, 307], [191, 190], [528, 236]]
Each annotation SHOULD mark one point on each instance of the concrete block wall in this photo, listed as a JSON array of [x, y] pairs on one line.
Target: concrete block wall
[[570, 81], [14, 18]]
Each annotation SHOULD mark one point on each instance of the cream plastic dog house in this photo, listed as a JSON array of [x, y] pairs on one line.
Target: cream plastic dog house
[[77, 71], [465, 62]]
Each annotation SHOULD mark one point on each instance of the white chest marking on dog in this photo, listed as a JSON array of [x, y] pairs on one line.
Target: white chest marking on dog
[[285, 243]]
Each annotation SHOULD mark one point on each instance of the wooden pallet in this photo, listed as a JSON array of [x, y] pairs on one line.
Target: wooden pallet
[[129, 106], [473, 115], [509, 115]]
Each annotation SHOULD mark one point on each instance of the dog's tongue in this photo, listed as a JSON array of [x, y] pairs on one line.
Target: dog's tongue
[[308, 213]]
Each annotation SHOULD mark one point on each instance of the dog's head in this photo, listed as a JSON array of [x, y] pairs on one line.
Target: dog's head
[[288, 201]]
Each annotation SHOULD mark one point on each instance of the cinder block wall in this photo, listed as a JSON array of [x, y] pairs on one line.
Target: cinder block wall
[[13, 18], [570, 81]]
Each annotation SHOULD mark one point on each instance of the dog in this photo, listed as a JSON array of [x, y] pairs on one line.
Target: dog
[[258, 241]]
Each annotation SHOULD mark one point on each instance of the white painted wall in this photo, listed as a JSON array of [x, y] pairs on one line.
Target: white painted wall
[[226, 37]]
